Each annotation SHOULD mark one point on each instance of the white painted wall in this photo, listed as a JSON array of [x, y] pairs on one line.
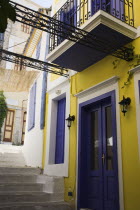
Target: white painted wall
[[136, 72], [33, 143], [16, 98], [16, 35], [56, 5]]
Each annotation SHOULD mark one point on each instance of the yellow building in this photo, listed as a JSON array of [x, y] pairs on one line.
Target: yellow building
[[98, 156]]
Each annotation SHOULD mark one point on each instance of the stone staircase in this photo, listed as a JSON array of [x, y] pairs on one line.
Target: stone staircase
[[24, 188]]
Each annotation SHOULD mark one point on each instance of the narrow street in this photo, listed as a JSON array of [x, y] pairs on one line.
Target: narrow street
[[25, 188], [70, 105]]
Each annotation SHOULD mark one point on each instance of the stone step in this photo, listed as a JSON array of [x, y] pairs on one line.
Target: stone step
[[21, 187], [9, 157], [19, 170], [10, 147], [11, 154], [12, 164], [18, 197], [18, 178], [37, 206], [11, 160]]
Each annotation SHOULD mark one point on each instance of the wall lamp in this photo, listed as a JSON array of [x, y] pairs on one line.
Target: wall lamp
[[125, 102], [69, 120]]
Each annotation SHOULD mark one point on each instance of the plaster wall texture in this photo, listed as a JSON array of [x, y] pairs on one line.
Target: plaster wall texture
[[16, 98], [56, 5], [32, 148], [17, 36], [14, 36], [129, 150], [6, 41]]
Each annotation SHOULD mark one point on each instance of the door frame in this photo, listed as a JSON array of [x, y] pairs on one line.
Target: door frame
[[24, 122], [91, 95], [6, 140]]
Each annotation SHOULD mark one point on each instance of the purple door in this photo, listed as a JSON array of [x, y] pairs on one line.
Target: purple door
[[60, 132], [98, 173]]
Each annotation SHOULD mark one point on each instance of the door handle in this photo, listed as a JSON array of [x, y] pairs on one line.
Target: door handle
[[103, 159]]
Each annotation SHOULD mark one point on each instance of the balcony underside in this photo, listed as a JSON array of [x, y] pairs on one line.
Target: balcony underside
[[112, 32]]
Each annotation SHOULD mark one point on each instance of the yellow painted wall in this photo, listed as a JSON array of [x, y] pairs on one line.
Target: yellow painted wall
[[130, 159], [45, 134], [54, 77], [93, 75]]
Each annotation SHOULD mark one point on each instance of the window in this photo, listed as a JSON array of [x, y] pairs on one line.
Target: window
[[25, 28], [60, 131], [1, 36], [32, 105], [1, 39], [38, 49]]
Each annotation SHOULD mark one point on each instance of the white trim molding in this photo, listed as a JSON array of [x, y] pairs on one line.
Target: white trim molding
[[55, 94], [99, 86], [93, 92], [136, 72], [100, 17], [55, 83]]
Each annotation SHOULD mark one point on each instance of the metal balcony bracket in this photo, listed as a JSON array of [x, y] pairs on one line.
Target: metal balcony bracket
[[32, 63], [125, 53]]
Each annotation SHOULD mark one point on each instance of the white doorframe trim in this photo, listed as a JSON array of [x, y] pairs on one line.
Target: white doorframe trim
[[136, 72], [55, 94], [104, 87]]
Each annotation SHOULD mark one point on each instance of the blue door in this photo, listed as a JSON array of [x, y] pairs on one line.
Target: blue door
[[98, 172], [60, 132]]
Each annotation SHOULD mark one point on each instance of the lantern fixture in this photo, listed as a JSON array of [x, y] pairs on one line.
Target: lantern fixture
[[69, 120], [124, 104]]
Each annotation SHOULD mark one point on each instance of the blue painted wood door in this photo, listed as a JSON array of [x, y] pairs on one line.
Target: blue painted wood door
[[60, 132], [99, 168]]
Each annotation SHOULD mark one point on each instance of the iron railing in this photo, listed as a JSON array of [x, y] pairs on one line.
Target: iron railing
[[24, 61], [77, 12]]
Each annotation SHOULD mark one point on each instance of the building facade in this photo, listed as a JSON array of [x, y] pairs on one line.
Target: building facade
[[99, 155], [15, 89]]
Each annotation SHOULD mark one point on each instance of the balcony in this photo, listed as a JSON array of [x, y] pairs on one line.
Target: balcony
[[111, 22]]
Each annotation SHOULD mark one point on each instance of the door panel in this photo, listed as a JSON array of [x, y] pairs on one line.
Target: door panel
[[94, 159], [24, 126], [101, 157], [110, 164], [9, 126], [60, 132]]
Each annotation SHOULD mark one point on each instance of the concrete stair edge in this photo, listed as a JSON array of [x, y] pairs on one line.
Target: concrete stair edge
[[42, 206]]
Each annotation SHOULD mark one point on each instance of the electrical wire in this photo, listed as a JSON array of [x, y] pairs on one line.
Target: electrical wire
[[15, 45]]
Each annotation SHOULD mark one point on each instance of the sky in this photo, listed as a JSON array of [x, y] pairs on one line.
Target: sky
[[43, 3]]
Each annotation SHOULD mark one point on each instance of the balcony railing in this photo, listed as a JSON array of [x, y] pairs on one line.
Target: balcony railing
[[77, 12]]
